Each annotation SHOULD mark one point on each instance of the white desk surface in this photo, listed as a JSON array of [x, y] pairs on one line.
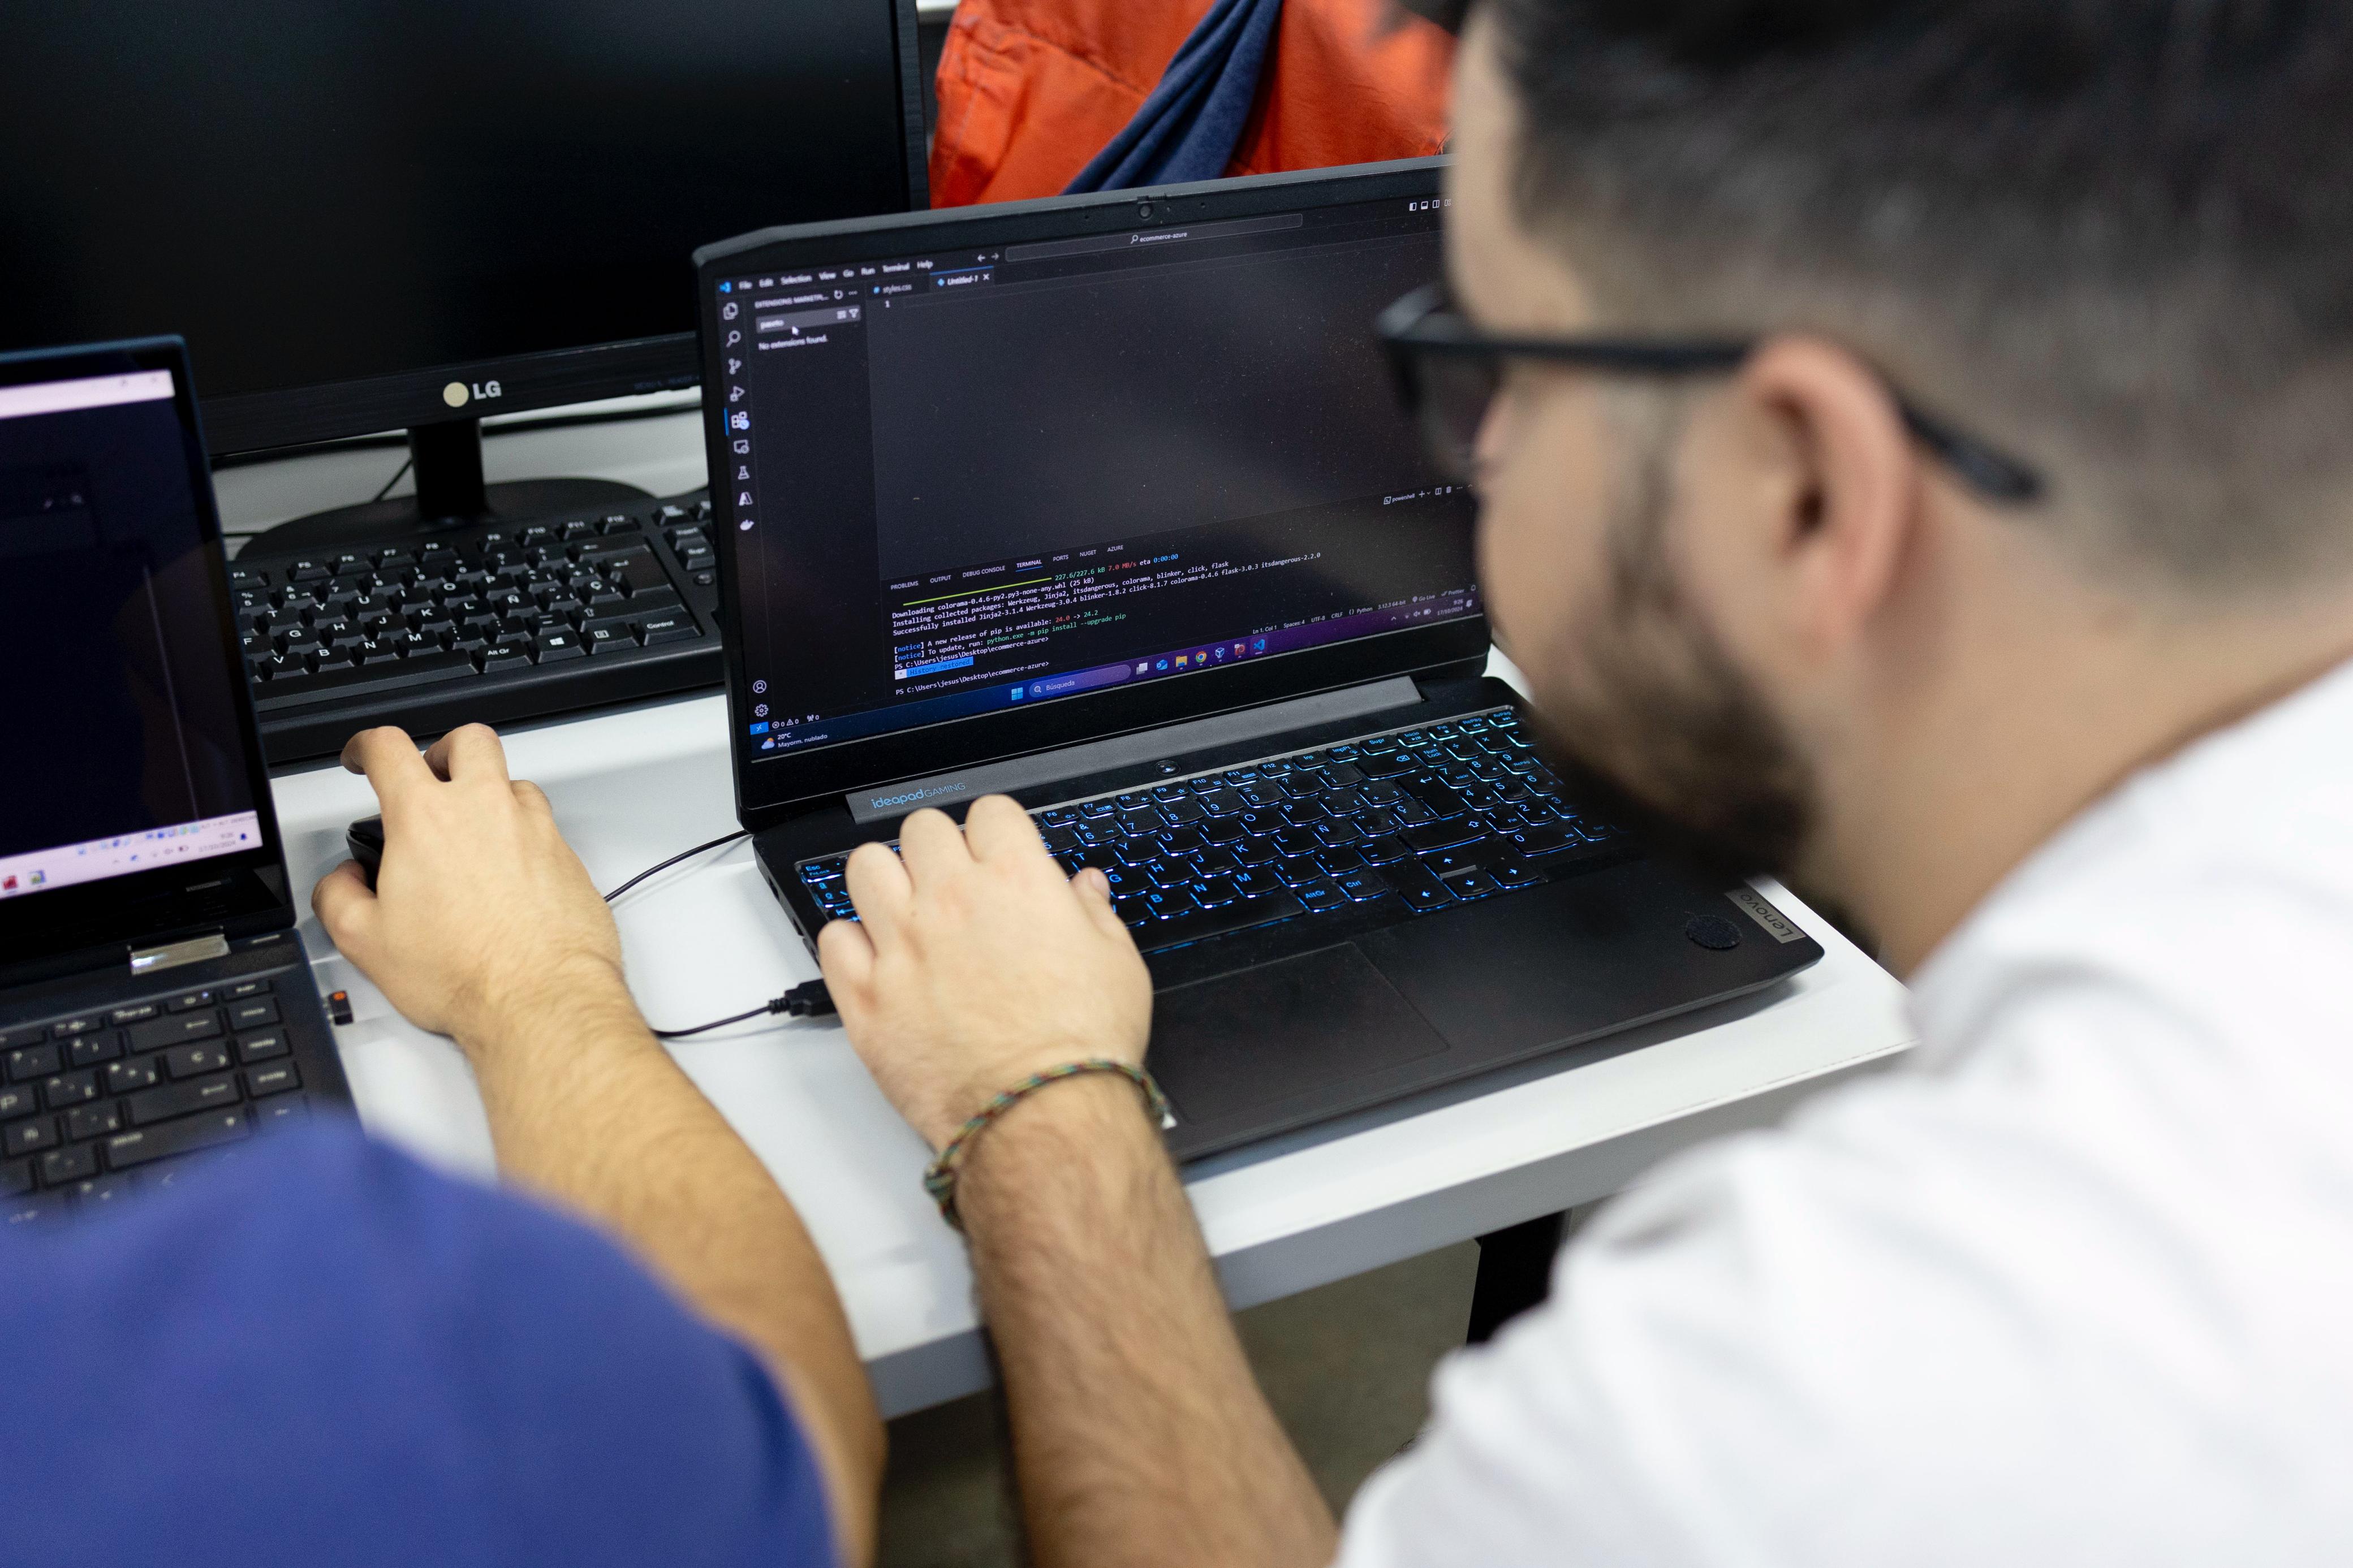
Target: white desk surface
[[708, 938]]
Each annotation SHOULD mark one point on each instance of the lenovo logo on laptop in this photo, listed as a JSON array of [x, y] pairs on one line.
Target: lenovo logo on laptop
[[1777, 924]]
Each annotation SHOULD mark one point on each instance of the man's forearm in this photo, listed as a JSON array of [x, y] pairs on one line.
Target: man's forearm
[[585, 1107], [1139, 1435]]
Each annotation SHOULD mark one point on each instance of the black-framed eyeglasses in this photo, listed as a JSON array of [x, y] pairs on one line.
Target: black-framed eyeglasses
[[1448, 373]]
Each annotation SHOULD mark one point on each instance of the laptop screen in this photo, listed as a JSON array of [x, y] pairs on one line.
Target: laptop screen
[[127, 747], [971, 476]]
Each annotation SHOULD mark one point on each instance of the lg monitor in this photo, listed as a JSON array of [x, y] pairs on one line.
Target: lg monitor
[[372, 216]]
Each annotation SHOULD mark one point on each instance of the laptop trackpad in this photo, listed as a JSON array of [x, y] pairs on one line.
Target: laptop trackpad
[[1281, 1029]]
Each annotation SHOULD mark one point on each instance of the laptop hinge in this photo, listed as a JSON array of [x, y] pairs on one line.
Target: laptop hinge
[[1095, 757], [171, 955]]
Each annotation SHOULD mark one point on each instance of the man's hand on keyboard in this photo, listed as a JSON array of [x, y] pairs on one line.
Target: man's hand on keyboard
[[480, 908], [974, 962]]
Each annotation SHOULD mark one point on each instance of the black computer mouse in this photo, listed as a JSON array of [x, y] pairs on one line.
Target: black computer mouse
[[366, 837]]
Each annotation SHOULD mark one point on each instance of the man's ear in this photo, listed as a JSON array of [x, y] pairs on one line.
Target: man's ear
[[1848, 494]]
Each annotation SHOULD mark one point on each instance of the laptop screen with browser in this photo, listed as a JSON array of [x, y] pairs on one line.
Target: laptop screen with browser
[[128, 753], [970, 476]]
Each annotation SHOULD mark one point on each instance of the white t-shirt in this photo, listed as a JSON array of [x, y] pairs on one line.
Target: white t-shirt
[[2074, 1286]]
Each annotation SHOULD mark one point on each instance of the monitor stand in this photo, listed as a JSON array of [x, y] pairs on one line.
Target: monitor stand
[[450, 495]]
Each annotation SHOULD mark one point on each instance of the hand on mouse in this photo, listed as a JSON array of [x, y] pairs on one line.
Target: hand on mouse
[[975, 963], [479, 907]]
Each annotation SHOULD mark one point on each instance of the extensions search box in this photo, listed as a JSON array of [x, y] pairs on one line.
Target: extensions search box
[[1232, 228], [832, 315]]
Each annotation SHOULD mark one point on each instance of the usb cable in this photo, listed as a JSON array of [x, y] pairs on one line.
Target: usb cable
[[808, 1000], [681, 854]]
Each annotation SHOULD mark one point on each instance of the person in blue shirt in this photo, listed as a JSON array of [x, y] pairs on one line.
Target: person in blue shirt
[[322, 1352]]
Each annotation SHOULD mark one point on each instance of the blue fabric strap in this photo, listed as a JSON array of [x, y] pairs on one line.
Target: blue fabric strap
[[1189, 126]]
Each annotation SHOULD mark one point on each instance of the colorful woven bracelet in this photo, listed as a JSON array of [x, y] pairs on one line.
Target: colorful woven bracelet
[[940, 1178]]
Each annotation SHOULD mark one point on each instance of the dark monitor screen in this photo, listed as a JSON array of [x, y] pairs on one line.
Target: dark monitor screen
[[961, 481], [132, 744], [318, 195]]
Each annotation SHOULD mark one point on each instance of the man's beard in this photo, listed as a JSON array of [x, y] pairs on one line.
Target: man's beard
[[1671, 740]]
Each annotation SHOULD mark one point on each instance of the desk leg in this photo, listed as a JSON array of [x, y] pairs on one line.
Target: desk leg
[[1514, 1273]]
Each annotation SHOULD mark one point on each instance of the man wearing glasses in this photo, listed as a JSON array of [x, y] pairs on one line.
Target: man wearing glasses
[[1913, 448], [1912, 443]]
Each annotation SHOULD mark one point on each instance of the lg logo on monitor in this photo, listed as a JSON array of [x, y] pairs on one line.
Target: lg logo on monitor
[[456, 395]]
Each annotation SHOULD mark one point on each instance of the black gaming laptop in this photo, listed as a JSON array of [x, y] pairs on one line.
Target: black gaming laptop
[[156, 1003], [1105, 503]]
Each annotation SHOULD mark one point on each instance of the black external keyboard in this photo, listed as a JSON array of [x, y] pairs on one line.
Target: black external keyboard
[[1430, 817], [96, 1103], [497, 624]]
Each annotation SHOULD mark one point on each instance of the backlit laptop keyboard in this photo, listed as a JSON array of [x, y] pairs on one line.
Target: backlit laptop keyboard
[[1431, 817]]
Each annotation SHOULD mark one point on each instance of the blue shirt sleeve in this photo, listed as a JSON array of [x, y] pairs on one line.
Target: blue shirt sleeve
[[324, 1353]]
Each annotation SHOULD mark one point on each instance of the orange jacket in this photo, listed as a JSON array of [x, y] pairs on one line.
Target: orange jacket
[[1031, 90]]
